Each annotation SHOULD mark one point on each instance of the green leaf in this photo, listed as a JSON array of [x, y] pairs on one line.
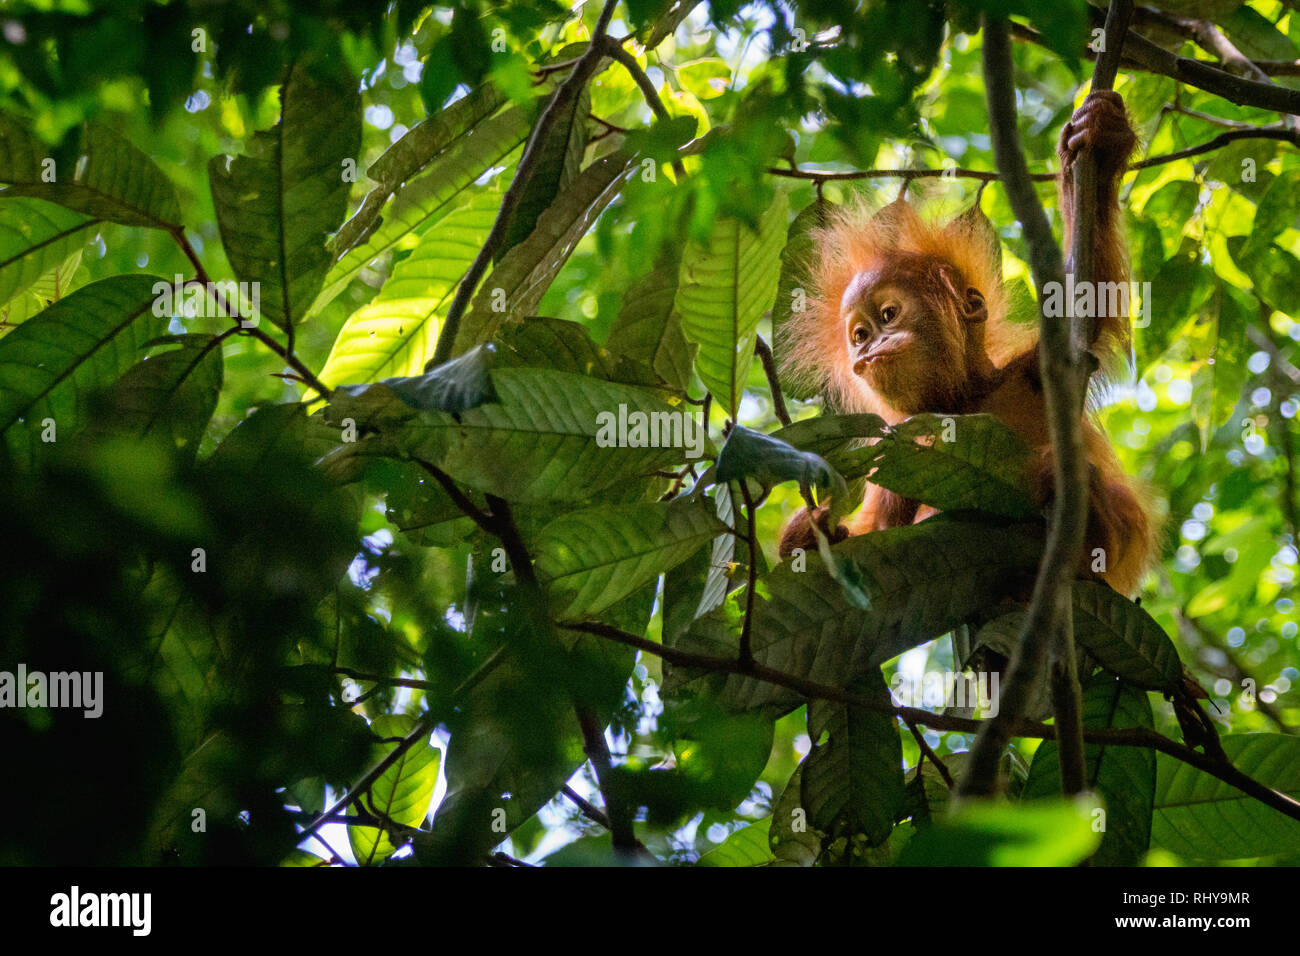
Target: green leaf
[[1124, 776], [395, 335], [455, 386], [1041, 833], [36, 238], [746, 846], [379, 225], [792, 840], [1255, 36], [554, 435], [428, 139], [725, 286], [857, 774], [50, 364], [559, 159], [278, 205], [957, 462], [111, 179], [922, 580], [543, 342], [648, 327], [420, 508], [794, 287], [1124, 638], [401, 794], [752, 454], [1201, 817], [523, 275], [1279, 208], [172, 394], [840, 439], [594, 558], [1274, 271]]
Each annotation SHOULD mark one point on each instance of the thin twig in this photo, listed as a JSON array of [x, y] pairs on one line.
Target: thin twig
[[614, 50], [747, 628], [764, 353], [589, 810], [928, 752], [285, 353]]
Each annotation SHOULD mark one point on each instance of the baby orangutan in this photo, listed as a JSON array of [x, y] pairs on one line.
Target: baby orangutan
[[910, 317]]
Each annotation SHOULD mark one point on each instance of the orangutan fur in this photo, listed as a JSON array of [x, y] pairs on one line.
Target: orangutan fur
[[907, 316]]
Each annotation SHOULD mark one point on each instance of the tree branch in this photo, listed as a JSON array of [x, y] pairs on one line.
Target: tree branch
[[1140, 53], [285, 352], [588, 809], [621, 831], [764, 353], [1127, 737], [1049, 607]]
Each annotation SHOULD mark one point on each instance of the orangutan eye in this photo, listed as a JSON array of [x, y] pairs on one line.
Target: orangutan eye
[[888, 314], [859, 335]]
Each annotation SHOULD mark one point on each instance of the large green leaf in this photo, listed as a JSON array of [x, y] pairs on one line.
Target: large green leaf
[[595, 557], [36, 237], [726, 284], [278, 205], [957, 462], [857, 774], [1124, 638], [566, 346], [794, 289], [395, 335], [1124, 776], [401, 794], [552, 435], [523, 275], [428, 139], [50, 364], [648, 326], [793, 841], [172, 394], [111, 179], [422, 201], [1201, 817], [840, 439], [922, 580], [559, 159]]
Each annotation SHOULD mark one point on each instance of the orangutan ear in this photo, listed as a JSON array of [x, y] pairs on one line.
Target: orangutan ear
[[974, 307]]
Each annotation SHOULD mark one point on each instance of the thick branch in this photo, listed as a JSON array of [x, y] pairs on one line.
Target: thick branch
[[616, 809], [1049, 606], [1140, 53]]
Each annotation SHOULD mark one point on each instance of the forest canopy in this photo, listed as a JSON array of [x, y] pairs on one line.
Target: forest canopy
[[398, 422]]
